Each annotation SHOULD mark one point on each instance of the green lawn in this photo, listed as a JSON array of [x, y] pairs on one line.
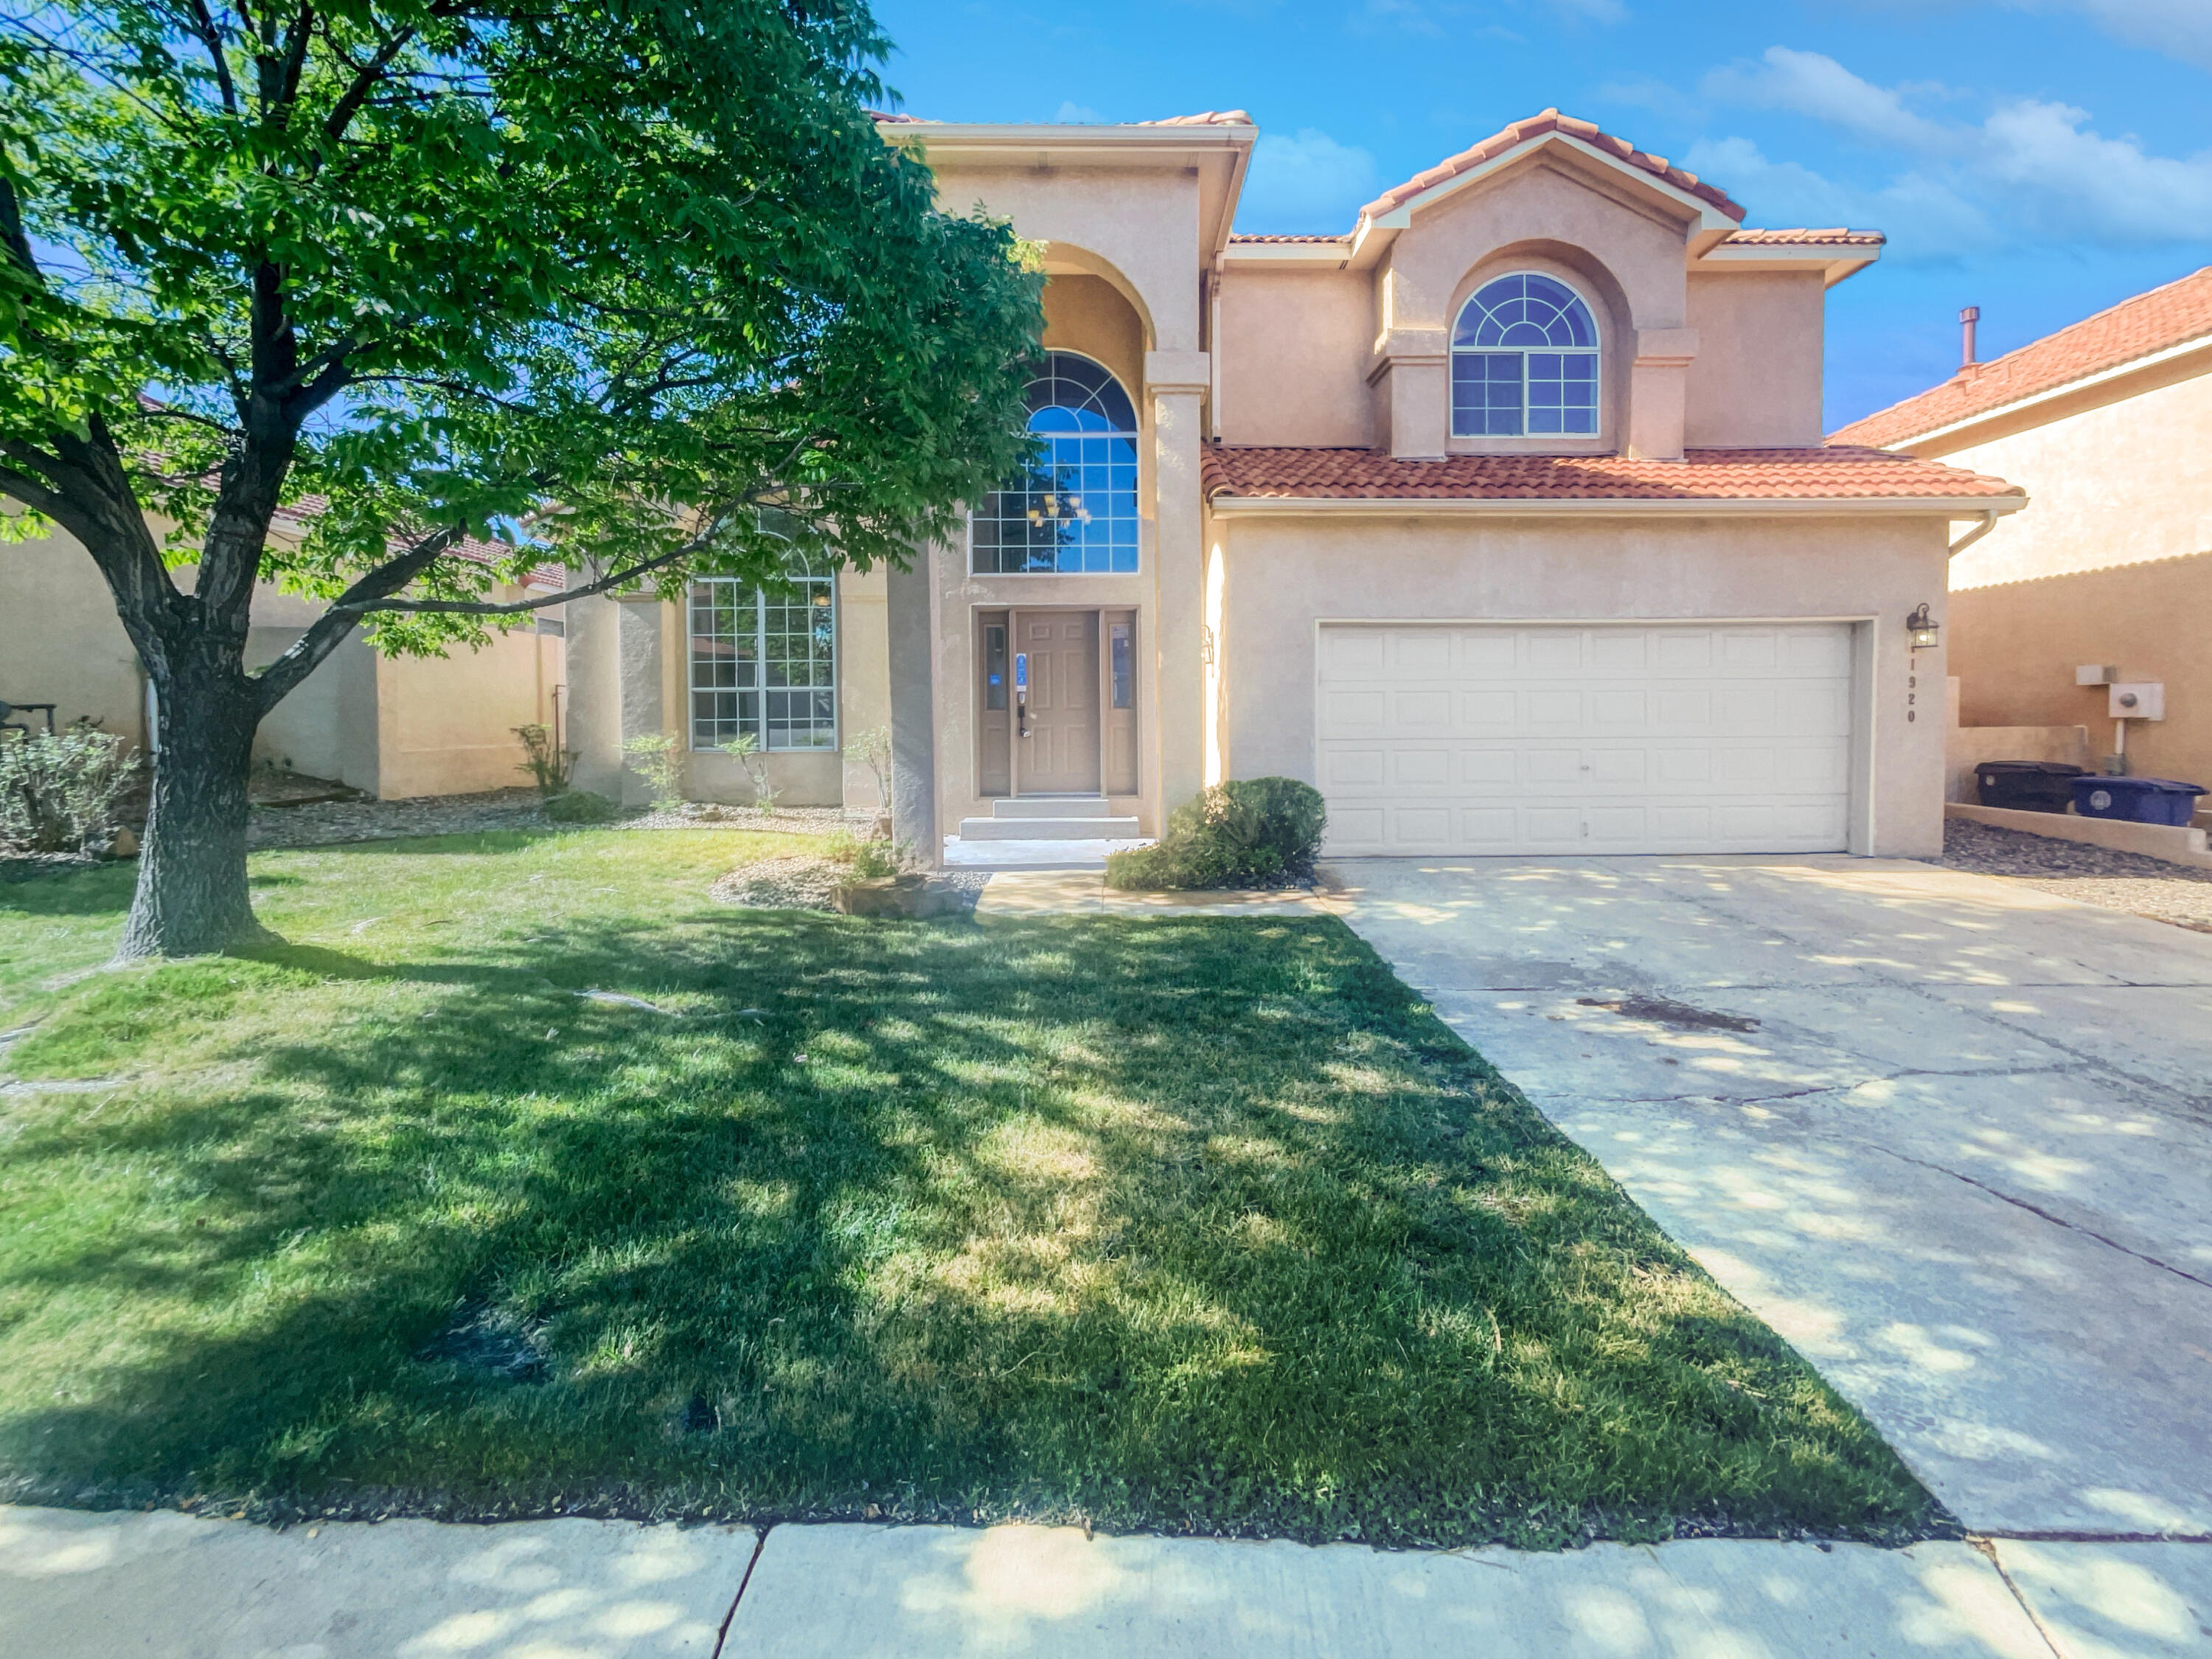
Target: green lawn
[[1195, 1224]]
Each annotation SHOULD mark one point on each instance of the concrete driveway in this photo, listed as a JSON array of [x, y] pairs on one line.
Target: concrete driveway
[[1951, 1136]]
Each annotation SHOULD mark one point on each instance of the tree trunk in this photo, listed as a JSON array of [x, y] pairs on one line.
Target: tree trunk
[[192, 897]]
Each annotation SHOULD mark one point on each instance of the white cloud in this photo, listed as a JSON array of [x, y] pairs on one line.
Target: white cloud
[[1305, 182], [1071, 111], [2030, 168], [1810, 84], [2178, 28], [1593, 11]]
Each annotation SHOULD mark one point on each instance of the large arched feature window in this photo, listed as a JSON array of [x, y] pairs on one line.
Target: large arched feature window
[[1074, 508], [1524, 361], [765, 661]]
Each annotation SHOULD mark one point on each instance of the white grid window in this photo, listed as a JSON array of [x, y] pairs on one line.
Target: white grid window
[[765, 661]]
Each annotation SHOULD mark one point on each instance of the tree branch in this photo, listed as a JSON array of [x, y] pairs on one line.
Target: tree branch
[[328, 631], [211, 38]]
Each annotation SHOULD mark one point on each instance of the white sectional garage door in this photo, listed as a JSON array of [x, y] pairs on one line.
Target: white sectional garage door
[[1682, 738]]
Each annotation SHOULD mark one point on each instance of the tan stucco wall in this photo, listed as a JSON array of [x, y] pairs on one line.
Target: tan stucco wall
[[864, 677], [2119, 483], [1294, 348], [1140, 226], [59, 639], [1284, 576], [1756, 378], [1088, 315], [445, 724], [2109, 564], [2014, 647], [391, 726]]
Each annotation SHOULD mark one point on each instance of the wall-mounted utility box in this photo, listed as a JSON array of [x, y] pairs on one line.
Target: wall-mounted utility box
[[2096, 673], [2140, 699]]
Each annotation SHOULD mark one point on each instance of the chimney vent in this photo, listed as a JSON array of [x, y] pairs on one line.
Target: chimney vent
[[1968, 316]]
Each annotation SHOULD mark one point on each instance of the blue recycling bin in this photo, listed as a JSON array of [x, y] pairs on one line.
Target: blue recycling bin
[[2138, 800]]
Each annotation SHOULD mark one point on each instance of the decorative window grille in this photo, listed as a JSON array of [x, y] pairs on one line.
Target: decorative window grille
[[1524, 361], [765, 661], [1074, 508]]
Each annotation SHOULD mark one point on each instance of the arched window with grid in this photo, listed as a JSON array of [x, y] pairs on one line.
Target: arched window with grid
[[765, 661], [1074, 508], [1524, 361]]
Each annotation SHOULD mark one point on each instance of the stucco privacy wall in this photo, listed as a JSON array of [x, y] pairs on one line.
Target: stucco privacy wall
[[1282, 575], [2014, 647], [1755, 382], [59, 639]]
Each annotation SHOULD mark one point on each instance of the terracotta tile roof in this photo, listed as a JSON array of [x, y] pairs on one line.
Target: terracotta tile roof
[[1838, 237], [1536, 126], [1249, 236], [2170, 316], [1781, 475], [1210, 118]]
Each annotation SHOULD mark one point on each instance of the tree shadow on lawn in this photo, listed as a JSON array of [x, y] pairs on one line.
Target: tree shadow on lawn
[[1185, 1225]]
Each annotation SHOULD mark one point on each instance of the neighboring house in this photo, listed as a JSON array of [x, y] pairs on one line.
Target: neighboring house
[[2108, 424], [393, 726], [1504, 518]]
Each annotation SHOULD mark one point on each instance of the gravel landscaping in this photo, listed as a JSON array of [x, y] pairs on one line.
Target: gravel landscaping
[[802, 882], [2095, 875]]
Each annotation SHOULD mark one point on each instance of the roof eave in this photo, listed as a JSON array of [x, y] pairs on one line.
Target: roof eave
[[1949, 506]]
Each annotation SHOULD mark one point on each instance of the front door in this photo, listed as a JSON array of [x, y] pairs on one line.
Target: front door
[[1056, 743]]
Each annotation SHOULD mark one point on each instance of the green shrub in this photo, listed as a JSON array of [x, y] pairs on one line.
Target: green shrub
[[581, 806], [550, 764], [58, 790], [655, 758], [863, 860], [1249, 832]]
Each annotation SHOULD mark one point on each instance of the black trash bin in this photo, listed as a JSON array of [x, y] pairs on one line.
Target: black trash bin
[[2027, 786], [2140, 801]]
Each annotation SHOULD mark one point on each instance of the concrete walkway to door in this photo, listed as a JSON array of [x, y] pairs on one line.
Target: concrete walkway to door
[[1950, 1137]]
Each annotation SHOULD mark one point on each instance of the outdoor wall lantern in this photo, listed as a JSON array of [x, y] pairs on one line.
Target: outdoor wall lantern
[[1922, 629]]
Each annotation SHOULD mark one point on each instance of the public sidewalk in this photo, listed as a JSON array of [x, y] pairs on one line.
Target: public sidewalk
[[74, 1585]]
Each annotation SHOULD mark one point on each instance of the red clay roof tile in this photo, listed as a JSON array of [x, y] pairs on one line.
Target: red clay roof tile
[[1536, 126], [1837, 237], [2170, 316], [1780, 474]]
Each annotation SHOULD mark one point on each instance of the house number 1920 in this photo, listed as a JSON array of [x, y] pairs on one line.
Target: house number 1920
[[1911, 696]]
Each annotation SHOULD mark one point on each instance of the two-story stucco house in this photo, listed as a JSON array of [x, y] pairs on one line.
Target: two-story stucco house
[[1504, 518], [2108, 422]]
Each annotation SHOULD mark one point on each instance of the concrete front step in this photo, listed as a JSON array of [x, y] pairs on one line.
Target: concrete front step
[[1051, 829], [1050, 806]]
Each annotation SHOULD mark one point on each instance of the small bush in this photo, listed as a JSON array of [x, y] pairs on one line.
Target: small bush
[[745, 749], [60, 790], [862, 861], [1249, 832], [581, 806], [655, 758], [552, 767]]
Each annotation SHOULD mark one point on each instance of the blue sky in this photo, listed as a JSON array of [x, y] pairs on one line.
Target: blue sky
[[2042, 158]]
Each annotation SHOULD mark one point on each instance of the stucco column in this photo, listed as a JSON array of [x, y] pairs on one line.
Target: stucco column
[[1176, 381], [1658, 393], [642, 672], [1412, 379], [908, 596]]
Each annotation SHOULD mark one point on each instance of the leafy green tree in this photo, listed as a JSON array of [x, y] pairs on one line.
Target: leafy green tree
[[475, 286]]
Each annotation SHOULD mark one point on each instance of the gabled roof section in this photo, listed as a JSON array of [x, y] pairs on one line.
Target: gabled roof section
[[2162, 320], [1703, 480], [1536, 129]]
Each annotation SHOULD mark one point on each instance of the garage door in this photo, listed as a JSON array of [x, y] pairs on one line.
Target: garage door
[[1466, 738]]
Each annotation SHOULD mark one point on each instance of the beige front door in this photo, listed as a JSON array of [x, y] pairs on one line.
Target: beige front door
[[1056, 746]]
